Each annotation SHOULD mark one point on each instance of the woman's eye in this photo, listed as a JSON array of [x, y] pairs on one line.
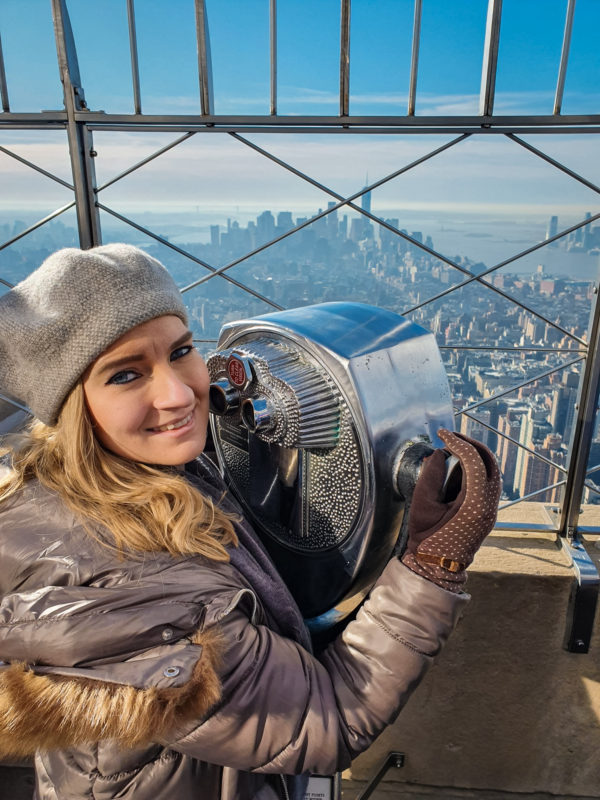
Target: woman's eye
[[125, 376], [182, 351]]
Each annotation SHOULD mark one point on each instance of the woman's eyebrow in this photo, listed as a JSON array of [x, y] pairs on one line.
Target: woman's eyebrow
[[119, 362]]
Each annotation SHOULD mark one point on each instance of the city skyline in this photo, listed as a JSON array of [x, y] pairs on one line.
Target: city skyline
[[487, 343]]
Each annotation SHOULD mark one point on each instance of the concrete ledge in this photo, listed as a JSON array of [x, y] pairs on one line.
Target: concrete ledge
[[390, 790], [505, 708]]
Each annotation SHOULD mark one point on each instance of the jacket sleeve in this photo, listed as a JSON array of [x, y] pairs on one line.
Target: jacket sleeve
[[283, 710]]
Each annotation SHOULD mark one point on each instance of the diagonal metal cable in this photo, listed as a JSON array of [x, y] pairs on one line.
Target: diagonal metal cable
[[342, 202], [592, 487], [516, 386], [501, 264], [15, 403], [147, 160], [185, 253], [530, 495], [514, 441], [391, 228], [545, 157], [512, 349], [36, 168], [33, 227]]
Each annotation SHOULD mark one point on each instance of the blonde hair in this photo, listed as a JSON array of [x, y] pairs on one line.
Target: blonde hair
[[145, 508]]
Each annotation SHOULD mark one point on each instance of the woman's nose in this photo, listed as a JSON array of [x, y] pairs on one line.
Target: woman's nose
[[170, 391]]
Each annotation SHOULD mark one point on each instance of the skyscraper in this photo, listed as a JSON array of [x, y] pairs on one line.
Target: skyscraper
[[365, 204], [552, 229]]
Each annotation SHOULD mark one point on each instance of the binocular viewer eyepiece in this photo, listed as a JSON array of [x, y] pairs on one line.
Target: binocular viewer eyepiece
[[276, 395], [316, 412]]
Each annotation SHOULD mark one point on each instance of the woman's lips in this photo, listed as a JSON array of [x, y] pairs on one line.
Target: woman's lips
[[173, 426]]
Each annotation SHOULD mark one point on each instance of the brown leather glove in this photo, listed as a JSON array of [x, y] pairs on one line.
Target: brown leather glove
[[443, 536]]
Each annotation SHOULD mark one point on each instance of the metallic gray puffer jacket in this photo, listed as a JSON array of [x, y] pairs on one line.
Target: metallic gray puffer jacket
[[164, 678]]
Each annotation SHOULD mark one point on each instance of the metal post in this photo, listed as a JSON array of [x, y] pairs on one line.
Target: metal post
[[135, 70], [345, 59], [564, 57], [414, 63], [3, 89], [584, 425], [204, 59], [79, 136], [273, 37], [490, 58], [584, 594], [394, 759]]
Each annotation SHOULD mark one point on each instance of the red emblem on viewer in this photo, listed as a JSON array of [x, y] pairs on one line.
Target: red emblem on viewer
[[237, 372]]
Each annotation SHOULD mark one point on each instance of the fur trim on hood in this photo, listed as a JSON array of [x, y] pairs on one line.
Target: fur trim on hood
[[42, 712]]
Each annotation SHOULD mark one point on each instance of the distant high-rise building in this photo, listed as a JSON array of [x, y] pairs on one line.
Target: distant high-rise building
[[285, 220], [265, 226], [510, 426], [356, 229], [343, 227], [332, 222], [563, 410], [587, 233], [215, 235], [365, 199], [365, 204], [552, 229]]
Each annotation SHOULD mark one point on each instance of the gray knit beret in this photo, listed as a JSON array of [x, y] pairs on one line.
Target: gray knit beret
[[61, 317]]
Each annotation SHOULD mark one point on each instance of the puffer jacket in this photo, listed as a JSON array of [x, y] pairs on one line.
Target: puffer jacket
[[157, 678]]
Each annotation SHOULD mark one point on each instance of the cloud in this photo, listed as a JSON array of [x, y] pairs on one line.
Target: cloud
[[214, 171]]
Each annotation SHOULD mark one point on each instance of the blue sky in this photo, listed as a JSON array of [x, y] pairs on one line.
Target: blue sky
[[503, 178], [308, 37]]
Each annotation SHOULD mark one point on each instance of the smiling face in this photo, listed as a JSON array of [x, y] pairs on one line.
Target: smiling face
[[147, 394]]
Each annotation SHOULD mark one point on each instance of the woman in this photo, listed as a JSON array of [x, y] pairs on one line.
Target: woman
[[150, 649]]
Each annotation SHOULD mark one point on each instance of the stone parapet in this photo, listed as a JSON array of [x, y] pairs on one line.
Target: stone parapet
[[505, 708]]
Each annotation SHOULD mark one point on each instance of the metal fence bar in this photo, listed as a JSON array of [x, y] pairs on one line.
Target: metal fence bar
[[420, 245], [144, 161], [36, 168], [14, 403], [273, 47], [581, 440], [343, 201], [3, 86], [510, 439], [490, 58], [479, 278], [414, 59], [529, 496], [344, 58], [135, 70], [204, 59], [79, 136], [564, 57], [592, 488], [193, 258], [36, 225], [419, 125], [512, 349], [554, 162], [516, 386]]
